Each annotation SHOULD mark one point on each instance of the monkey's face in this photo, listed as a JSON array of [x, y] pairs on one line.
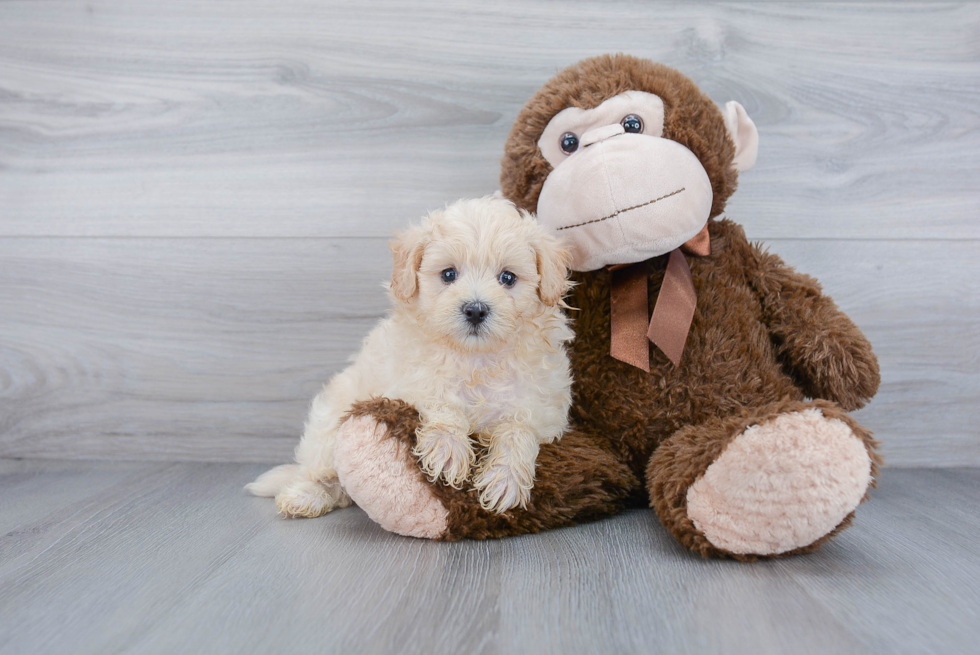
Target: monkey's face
[[620, 192]]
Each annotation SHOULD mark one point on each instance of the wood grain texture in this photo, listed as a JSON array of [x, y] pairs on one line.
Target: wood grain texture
[[173, 558], [28, 491], [298, 118], [212, 348], [187, 349], [194, 197]]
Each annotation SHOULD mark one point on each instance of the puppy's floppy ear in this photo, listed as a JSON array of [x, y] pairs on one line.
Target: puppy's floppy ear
[[407, 248], [553, 260]]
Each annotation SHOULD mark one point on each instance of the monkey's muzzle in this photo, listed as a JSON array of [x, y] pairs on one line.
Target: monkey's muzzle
[[625, 198]]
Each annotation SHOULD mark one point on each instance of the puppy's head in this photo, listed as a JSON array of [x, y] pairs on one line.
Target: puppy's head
[[475, 271]]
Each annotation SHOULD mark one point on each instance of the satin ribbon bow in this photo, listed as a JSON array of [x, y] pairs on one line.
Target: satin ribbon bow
[[672, 313]]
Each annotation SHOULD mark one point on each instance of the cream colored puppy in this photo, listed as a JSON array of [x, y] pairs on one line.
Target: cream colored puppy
[[475, 340]]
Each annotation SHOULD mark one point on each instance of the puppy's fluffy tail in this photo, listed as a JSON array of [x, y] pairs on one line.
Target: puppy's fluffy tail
[[270, 483]]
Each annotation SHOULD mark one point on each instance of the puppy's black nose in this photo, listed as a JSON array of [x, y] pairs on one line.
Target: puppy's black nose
[[475, 312]]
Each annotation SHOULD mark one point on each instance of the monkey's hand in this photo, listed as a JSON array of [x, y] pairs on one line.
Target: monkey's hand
[[827, 354]]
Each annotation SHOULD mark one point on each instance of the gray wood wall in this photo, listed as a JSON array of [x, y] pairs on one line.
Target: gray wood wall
[[195, 197]]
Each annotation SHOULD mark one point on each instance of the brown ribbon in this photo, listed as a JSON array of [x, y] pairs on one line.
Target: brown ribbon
[[672, 314]]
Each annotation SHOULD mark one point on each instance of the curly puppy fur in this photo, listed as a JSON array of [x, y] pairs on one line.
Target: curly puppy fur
[[763, 340], [499, 372]]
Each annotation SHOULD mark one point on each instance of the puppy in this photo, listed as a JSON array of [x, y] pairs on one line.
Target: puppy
[[475, 340]]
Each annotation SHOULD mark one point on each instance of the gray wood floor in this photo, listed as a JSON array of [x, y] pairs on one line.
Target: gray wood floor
[[195, 197], [165, 558]]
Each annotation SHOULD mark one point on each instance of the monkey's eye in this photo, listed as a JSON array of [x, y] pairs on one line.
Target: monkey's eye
[[507, 279], [449, 275], [568, 143], [632, 123]]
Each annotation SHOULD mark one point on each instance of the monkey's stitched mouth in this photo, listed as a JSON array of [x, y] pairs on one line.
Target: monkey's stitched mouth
[[622, 211]]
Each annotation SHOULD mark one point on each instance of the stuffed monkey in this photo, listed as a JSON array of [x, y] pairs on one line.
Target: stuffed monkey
[[712, 381]]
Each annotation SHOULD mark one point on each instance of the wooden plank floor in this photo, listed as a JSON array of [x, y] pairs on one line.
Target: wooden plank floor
[[165, 558]]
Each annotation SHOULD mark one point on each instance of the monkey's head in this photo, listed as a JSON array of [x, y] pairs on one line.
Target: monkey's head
[[625, 159]]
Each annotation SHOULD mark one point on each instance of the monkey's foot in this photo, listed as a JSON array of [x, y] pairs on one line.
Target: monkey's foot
[[378, 471], [781, 485]]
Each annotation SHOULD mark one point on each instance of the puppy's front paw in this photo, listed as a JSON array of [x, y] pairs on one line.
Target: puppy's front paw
[[444, 454], [503, 486]]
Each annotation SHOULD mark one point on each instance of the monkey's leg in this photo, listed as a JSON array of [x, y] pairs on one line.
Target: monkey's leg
[[575, 481], [776, 480]]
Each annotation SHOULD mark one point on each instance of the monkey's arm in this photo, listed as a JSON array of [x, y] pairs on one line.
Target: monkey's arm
[[826, 353]]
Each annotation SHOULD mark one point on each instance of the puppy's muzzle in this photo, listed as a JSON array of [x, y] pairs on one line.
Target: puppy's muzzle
[[475, 313]]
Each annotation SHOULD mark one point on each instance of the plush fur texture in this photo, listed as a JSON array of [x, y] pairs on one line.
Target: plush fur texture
[[781, 484], [504, 379], [363, 446], [764, 339], [580, 483], [690, 118], [686, 456]]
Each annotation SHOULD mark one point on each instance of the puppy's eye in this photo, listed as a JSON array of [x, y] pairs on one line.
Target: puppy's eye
[[507, 279], [632, 123], [568, 143], [449, 275]]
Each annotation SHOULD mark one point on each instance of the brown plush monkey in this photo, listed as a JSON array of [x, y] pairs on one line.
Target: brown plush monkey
[[726, 409]]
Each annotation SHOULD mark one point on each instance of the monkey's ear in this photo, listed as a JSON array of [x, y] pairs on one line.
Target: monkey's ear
[[407, 248], [553, 260], [742, 131]]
